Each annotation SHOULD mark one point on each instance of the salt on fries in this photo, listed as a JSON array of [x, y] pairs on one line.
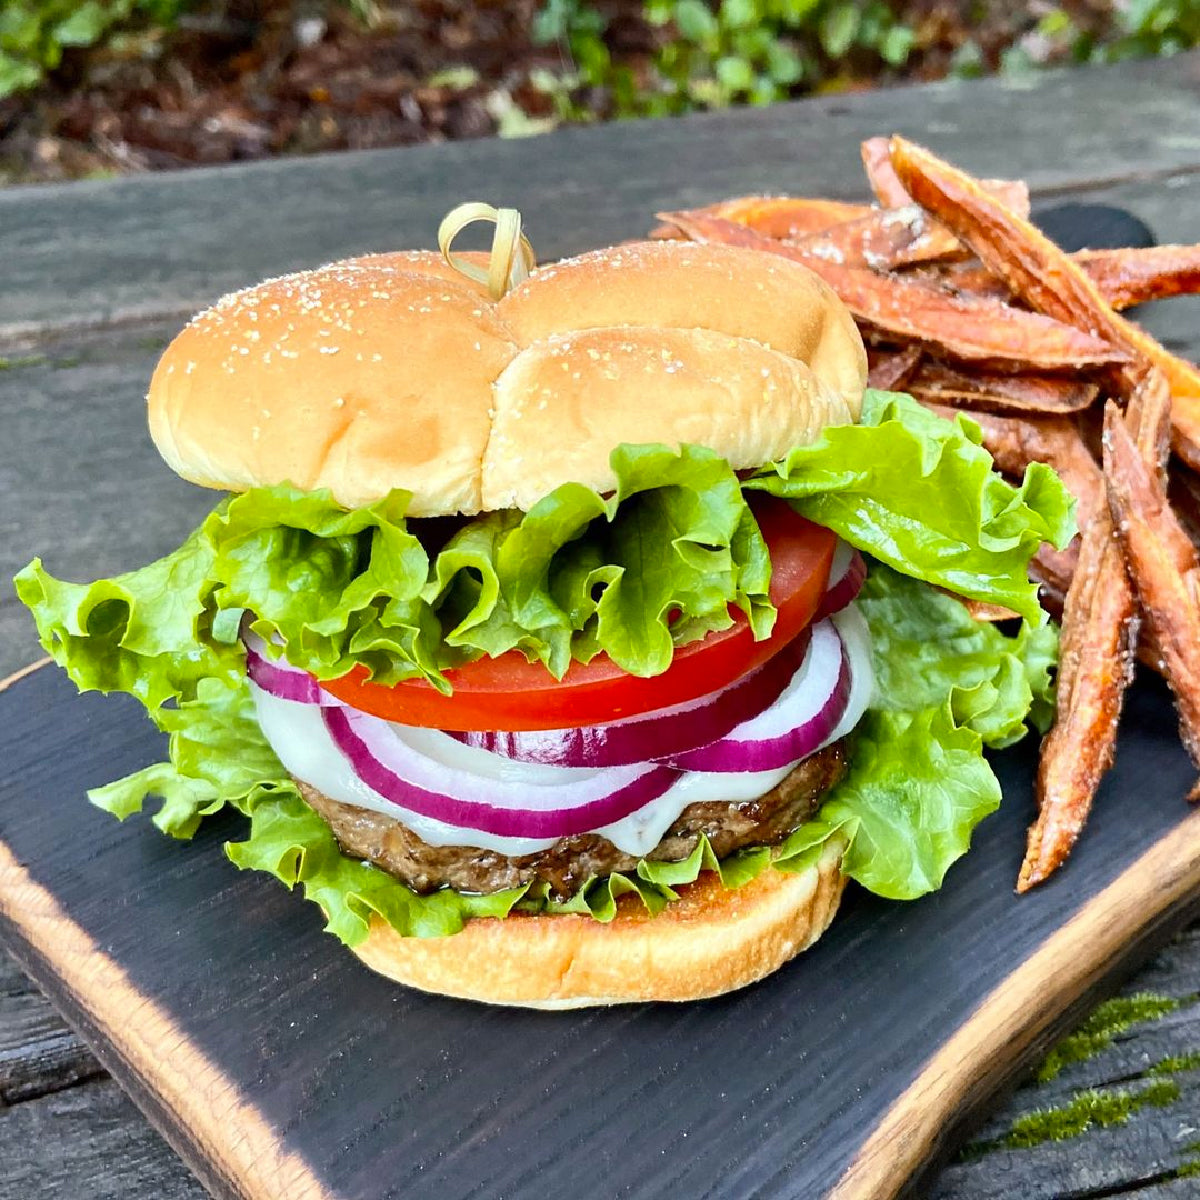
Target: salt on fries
[[968, 306]]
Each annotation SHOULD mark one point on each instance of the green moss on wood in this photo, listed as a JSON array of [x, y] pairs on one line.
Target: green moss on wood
[[1179, 1062], [1103, 1108], [1109, 1019]]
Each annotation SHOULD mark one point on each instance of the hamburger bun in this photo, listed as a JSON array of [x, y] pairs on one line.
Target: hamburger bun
[[390, 372], [710, 941]]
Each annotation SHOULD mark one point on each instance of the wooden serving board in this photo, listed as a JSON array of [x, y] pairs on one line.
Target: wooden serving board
[[278, 1066]]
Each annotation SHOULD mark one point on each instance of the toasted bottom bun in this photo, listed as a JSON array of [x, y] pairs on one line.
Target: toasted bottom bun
[[711, 941]]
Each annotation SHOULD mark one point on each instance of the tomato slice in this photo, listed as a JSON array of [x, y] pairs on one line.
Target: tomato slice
[[509, 692]]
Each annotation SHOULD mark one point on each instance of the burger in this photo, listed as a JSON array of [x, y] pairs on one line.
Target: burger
[[569, 639]]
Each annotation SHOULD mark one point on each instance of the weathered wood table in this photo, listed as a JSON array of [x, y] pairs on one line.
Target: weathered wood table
[[94, 277]]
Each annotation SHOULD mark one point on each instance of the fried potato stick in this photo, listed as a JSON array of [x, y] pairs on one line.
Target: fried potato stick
[[982, 331], [890, 370], [1046, 277], [996, 392], [1165, 569], [1125, 277], [776, 216], [885, 183], [883, 239], [1096, 661], [1137, 275], [891, 193], [1101, 624]]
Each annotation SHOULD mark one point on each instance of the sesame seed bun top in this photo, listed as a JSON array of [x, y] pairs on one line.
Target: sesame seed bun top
[[393, 371]]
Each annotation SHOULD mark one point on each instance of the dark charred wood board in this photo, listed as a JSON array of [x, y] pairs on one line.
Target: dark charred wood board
[[279, 1066], [274, 1062]]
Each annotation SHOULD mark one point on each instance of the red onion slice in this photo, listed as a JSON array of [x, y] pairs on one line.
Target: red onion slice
[[507, 808], [795, 726], [280, 679], [846, 576], [656, 734]]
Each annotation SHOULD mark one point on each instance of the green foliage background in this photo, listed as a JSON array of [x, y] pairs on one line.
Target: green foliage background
[[759, 51], [707, 53], [34, 33]]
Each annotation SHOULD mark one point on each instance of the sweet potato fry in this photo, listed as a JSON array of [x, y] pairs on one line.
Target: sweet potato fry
[[884, 239], [1183, 491], [891, 193], [1164, 565], [1052, 570], [890, 370], [1101, 624], [1046, 278], [1138, 275], [852, 234], [776, 216], [885, 183], [995, 392], [969, 278], [1096, 661], [982, 331], [982, 611], [1135, 275]]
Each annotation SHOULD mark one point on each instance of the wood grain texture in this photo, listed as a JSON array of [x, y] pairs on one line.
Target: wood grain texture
[[88, 1142], [1030, 1002], [166, 243], [1155, 1142], [480, 1102], [233, 1143], [39, 1052]]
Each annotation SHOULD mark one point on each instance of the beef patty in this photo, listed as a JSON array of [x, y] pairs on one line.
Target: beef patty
[[571, 862]]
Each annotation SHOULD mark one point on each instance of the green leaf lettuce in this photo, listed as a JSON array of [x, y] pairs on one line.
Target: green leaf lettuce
[[634, 574]]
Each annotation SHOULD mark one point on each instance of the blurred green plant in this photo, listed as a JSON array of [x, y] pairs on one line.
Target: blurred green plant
[[1140, 28], [1089, 33], [711, 53], [34, 33], [735, 51]]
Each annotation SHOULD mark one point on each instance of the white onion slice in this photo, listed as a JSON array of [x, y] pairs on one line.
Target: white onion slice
[[389, 765], [846, 577], [856, 643], [657, 734], [795, 726]]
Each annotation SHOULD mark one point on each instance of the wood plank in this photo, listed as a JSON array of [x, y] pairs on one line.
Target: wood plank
[[88, 1141], [1158, 1143], [126, 248], [1153, 1143], [39, 1052], [119, 506], [247, 1008]]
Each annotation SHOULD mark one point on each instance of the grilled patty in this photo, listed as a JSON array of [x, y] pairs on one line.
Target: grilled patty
[[571, 862]]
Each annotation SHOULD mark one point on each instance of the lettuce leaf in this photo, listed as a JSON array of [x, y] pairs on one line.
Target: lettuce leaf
[[633, 574], [927, 647], [145, 632], [919, 493], [918, 783], [656, 564]]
